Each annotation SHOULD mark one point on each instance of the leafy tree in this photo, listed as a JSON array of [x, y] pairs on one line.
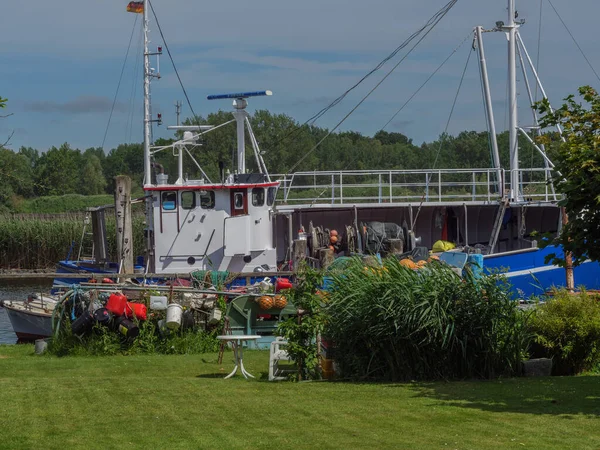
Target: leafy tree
[[16, 177], [92, 177], [58, 171], [578, 172], [126, 159]]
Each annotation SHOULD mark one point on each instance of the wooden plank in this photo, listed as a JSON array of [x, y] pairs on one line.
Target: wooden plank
[[25, 275]]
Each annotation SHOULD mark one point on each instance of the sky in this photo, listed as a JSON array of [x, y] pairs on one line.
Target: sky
[[62, 61]]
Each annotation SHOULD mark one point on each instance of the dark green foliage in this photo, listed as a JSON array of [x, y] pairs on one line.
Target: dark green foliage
[[302, 331], [104, 341], [577, 174], [395, 323], [567, 329]]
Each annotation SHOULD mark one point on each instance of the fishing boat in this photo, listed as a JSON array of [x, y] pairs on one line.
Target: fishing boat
[[253, 222], [246, 222], [32, 318]]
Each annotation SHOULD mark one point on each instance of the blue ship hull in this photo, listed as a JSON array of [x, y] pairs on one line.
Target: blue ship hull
[[530, 275]]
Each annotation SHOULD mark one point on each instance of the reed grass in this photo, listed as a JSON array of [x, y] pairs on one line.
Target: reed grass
[[39, 241], [395, 323]]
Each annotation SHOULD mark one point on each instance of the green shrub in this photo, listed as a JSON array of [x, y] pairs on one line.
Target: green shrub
[[301, 332], [567, 329]]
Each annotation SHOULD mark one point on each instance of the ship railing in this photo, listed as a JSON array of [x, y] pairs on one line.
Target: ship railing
[[536, 184], [389, 186]]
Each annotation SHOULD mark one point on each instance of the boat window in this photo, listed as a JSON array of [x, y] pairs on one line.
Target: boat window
[[188, 200], [207, 199], [169, 201], [271, 193], [238, 200], [258, 196]]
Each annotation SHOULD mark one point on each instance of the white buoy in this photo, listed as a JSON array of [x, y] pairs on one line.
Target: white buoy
[[174, 313], [41, 345]]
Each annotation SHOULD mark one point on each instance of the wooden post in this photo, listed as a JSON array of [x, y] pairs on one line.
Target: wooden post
[[299, 252], [123, 223], [326, 257], [568, 256]]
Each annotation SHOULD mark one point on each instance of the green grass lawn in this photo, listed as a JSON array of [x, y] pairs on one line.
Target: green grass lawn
[[183, 402]]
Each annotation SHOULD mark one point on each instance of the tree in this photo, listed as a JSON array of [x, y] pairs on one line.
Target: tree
[[92, 177], [3, 105], [577, 172], [59, 171]]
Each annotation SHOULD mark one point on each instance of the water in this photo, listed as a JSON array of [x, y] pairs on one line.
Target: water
[[17, 290]]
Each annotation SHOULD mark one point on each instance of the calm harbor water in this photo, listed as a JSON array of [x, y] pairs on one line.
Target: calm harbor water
[[17, 290]]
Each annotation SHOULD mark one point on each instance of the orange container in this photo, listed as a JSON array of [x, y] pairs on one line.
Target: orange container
[[116, 304], [136, 309]]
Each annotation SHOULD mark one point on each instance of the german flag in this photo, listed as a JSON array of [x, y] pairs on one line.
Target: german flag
[[136, 7]]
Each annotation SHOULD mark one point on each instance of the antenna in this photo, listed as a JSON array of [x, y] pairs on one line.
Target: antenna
[[178, 110], [240, 114]]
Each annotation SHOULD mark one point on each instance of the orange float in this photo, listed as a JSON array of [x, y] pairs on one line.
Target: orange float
[[266, 302], [280, 301]]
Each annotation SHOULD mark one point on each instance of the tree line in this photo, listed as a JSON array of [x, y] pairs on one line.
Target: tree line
[[29, 172]]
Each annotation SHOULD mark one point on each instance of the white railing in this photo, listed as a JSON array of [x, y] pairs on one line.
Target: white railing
[[390, 186], [535, 184]]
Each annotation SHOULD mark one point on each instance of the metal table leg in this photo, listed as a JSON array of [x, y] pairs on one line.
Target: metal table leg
[[235, 355]]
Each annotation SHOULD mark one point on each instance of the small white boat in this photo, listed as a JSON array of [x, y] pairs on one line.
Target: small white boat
[[32, 318]]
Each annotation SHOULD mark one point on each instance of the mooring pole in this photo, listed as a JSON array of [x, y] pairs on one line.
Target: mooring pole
[[568, 256], [123, 223]]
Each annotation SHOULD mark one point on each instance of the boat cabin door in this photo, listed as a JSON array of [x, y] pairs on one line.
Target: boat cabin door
[[239, 202]]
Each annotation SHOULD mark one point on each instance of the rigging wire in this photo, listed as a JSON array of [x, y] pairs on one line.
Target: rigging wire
[[404, 105], [134, 88], [444, 135], [435, 18], [439, 17], [172, 61], [574, 40], [119, 84], [426, 81], [312, 120]]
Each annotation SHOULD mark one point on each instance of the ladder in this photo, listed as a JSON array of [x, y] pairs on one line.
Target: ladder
[[498, 224], [87, 241]]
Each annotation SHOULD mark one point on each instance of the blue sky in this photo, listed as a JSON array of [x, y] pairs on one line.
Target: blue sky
[[61, 62]]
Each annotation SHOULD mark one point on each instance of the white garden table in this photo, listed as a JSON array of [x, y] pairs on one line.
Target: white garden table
[[237, 342]]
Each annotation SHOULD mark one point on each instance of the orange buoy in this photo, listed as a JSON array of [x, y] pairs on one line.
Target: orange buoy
[[333, 239], [266, 302], [408, 263], [280, 301], [331, 247]]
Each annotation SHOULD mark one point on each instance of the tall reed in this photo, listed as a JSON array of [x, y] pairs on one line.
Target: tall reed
[[395, 323], [39, 241]]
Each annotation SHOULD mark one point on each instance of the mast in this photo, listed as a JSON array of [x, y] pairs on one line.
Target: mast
[[147, 118], [490, 110], [511, 30]]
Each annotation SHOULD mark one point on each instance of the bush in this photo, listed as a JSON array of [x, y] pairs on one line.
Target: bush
[[567, 329], [395, 323]]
